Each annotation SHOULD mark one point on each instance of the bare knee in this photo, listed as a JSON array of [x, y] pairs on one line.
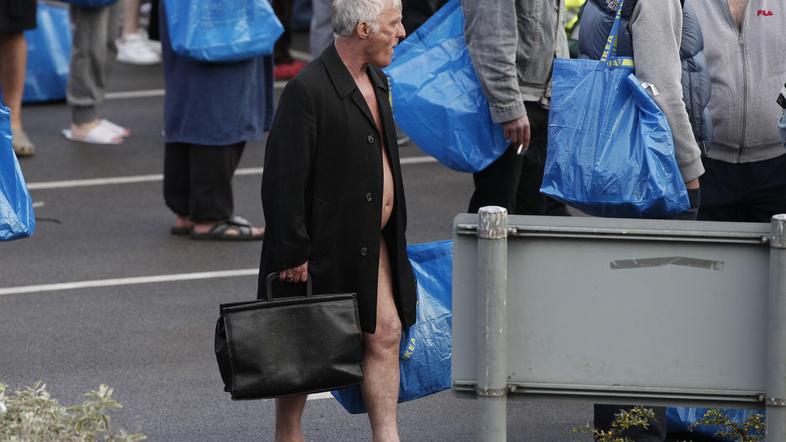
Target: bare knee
[[387, 336]]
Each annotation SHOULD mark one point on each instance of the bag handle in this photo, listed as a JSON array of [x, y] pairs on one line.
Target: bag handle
[[610, 51], [273, 276]]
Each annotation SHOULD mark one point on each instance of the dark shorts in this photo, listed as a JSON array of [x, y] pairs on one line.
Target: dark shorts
[[17, 15]]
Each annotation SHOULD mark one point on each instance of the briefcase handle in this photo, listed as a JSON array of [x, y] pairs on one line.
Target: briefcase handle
[[274, 276]]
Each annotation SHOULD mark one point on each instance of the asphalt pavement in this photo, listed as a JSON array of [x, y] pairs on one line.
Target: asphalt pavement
[[102, 293]]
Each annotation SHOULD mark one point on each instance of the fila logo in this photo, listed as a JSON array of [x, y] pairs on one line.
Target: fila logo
[[763, 12]]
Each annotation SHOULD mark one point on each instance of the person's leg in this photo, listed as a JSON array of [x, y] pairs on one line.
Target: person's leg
[[13, 60], [720, 192], [177, 178], [283, 10], [93, 50], [130, 18], [133, 47], [529, 199], [381, 358], [496, 185], [212, 168], [766, 193], [289, 412], [210, 198], [321, 31]]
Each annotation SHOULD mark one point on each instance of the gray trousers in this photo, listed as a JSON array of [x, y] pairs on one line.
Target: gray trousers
[[93, 51], [321, 32]]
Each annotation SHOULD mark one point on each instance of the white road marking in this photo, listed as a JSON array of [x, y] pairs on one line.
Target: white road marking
[[134, 94], [66, 184], [150, 93], [300, 55], [126, 281], [318, 396]]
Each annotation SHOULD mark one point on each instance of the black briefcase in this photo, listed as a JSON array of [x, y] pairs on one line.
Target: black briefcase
[[285, 346]]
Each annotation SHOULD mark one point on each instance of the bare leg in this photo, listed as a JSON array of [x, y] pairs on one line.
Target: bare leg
[[380, 359], [130, 17], [13, 60], [289, 411]]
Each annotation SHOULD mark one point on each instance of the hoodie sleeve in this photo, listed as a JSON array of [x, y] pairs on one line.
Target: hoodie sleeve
[[656, 28]]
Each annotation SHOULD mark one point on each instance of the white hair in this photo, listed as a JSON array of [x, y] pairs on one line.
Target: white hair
[[348, 13]]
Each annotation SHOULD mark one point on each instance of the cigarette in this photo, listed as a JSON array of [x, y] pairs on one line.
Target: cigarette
[[519, 149]]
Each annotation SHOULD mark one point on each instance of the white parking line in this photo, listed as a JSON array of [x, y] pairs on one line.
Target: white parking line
[[149, 93], [134, 94], [126, 281], [66, 184]]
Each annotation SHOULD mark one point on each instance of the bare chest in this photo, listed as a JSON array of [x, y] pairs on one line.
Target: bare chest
[[737, 8]]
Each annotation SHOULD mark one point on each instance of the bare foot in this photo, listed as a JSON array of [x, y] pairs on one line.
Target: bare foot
[[183, 222]]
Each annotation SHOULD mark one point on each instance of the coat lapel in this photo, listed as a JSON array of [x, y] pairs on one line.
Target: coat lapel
[[343, 82]]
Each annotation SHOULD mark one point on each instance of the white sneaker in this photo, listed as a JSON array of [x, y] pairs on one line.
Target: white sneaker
[[134, 50]]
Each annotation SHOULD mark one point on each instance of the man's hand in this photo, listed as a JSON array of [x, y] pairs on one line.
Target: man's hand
[[692, 184], [517, 131], [295, 274]]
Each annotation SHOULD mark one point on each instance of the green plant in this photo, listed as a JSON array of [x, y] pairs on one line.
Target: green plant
[[636, 417], [31, 415], [752, 429]]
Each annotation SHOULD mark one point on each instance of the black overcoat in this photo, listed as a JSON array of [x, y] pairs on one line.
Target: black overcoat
[[322, 189]]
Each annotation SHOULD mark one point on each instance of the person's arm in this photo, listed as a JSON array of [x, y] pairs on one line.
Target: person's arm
[[288, 158], [782, 122], [490, 30], [656, 28]]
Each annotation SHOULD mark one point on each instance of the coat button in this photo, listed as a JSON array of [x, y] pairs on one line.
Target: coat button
[[370, 139], [364, 251], [368, 197]]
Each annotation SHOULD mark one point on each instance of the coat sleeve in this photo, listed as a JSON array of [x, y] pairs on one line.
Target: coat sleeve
[[491, 32], [289, 154]]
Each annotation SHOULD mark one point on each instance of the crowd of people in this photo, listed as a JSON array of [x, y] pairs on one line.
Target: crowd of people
[[332, 191]]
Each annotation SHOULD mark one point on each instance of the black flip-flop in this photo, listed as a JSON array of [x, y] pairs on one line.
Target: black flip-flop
[[220, 231], [180, 231]]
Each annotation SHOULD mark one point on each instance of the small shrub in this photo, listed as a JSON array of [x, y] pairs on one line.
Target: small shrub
[[636, 417], [752, 429], [31, 415]]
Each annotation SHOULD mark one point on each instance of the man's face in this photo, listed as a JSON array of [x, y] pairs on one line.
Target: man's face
[[381, 43]]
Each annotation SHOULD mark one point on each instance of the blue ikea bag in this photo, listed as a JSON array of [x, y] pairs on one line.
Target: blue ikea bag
[[90, 3], [216, 31], [426, 345], [16, 207], [48, 55], [680, 419], [436, 96], [610, 148]]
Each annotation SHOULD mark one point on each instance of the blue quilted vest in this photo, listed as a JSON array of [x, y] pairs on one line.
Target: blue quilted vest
[[596, 22]]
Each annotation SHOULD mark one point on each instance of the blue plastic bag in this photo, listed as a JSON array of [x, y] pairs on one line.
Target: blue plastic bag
[[16, 207], [90, 3], [610, 148], [426, 346], [679, 419], [48, 55], [209, 30], [436, 96]]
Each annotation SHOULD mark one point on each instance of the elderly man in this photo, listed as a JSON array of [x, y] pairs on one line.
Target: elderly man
[[334, 200]]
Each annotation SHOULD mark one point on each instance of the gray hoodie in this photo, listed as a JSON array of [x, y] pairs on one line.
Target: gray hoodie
[[747, 68]]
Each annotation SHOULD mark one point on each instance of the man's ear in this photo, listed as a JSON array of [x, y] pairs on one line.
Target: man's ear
[[363, 29]]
